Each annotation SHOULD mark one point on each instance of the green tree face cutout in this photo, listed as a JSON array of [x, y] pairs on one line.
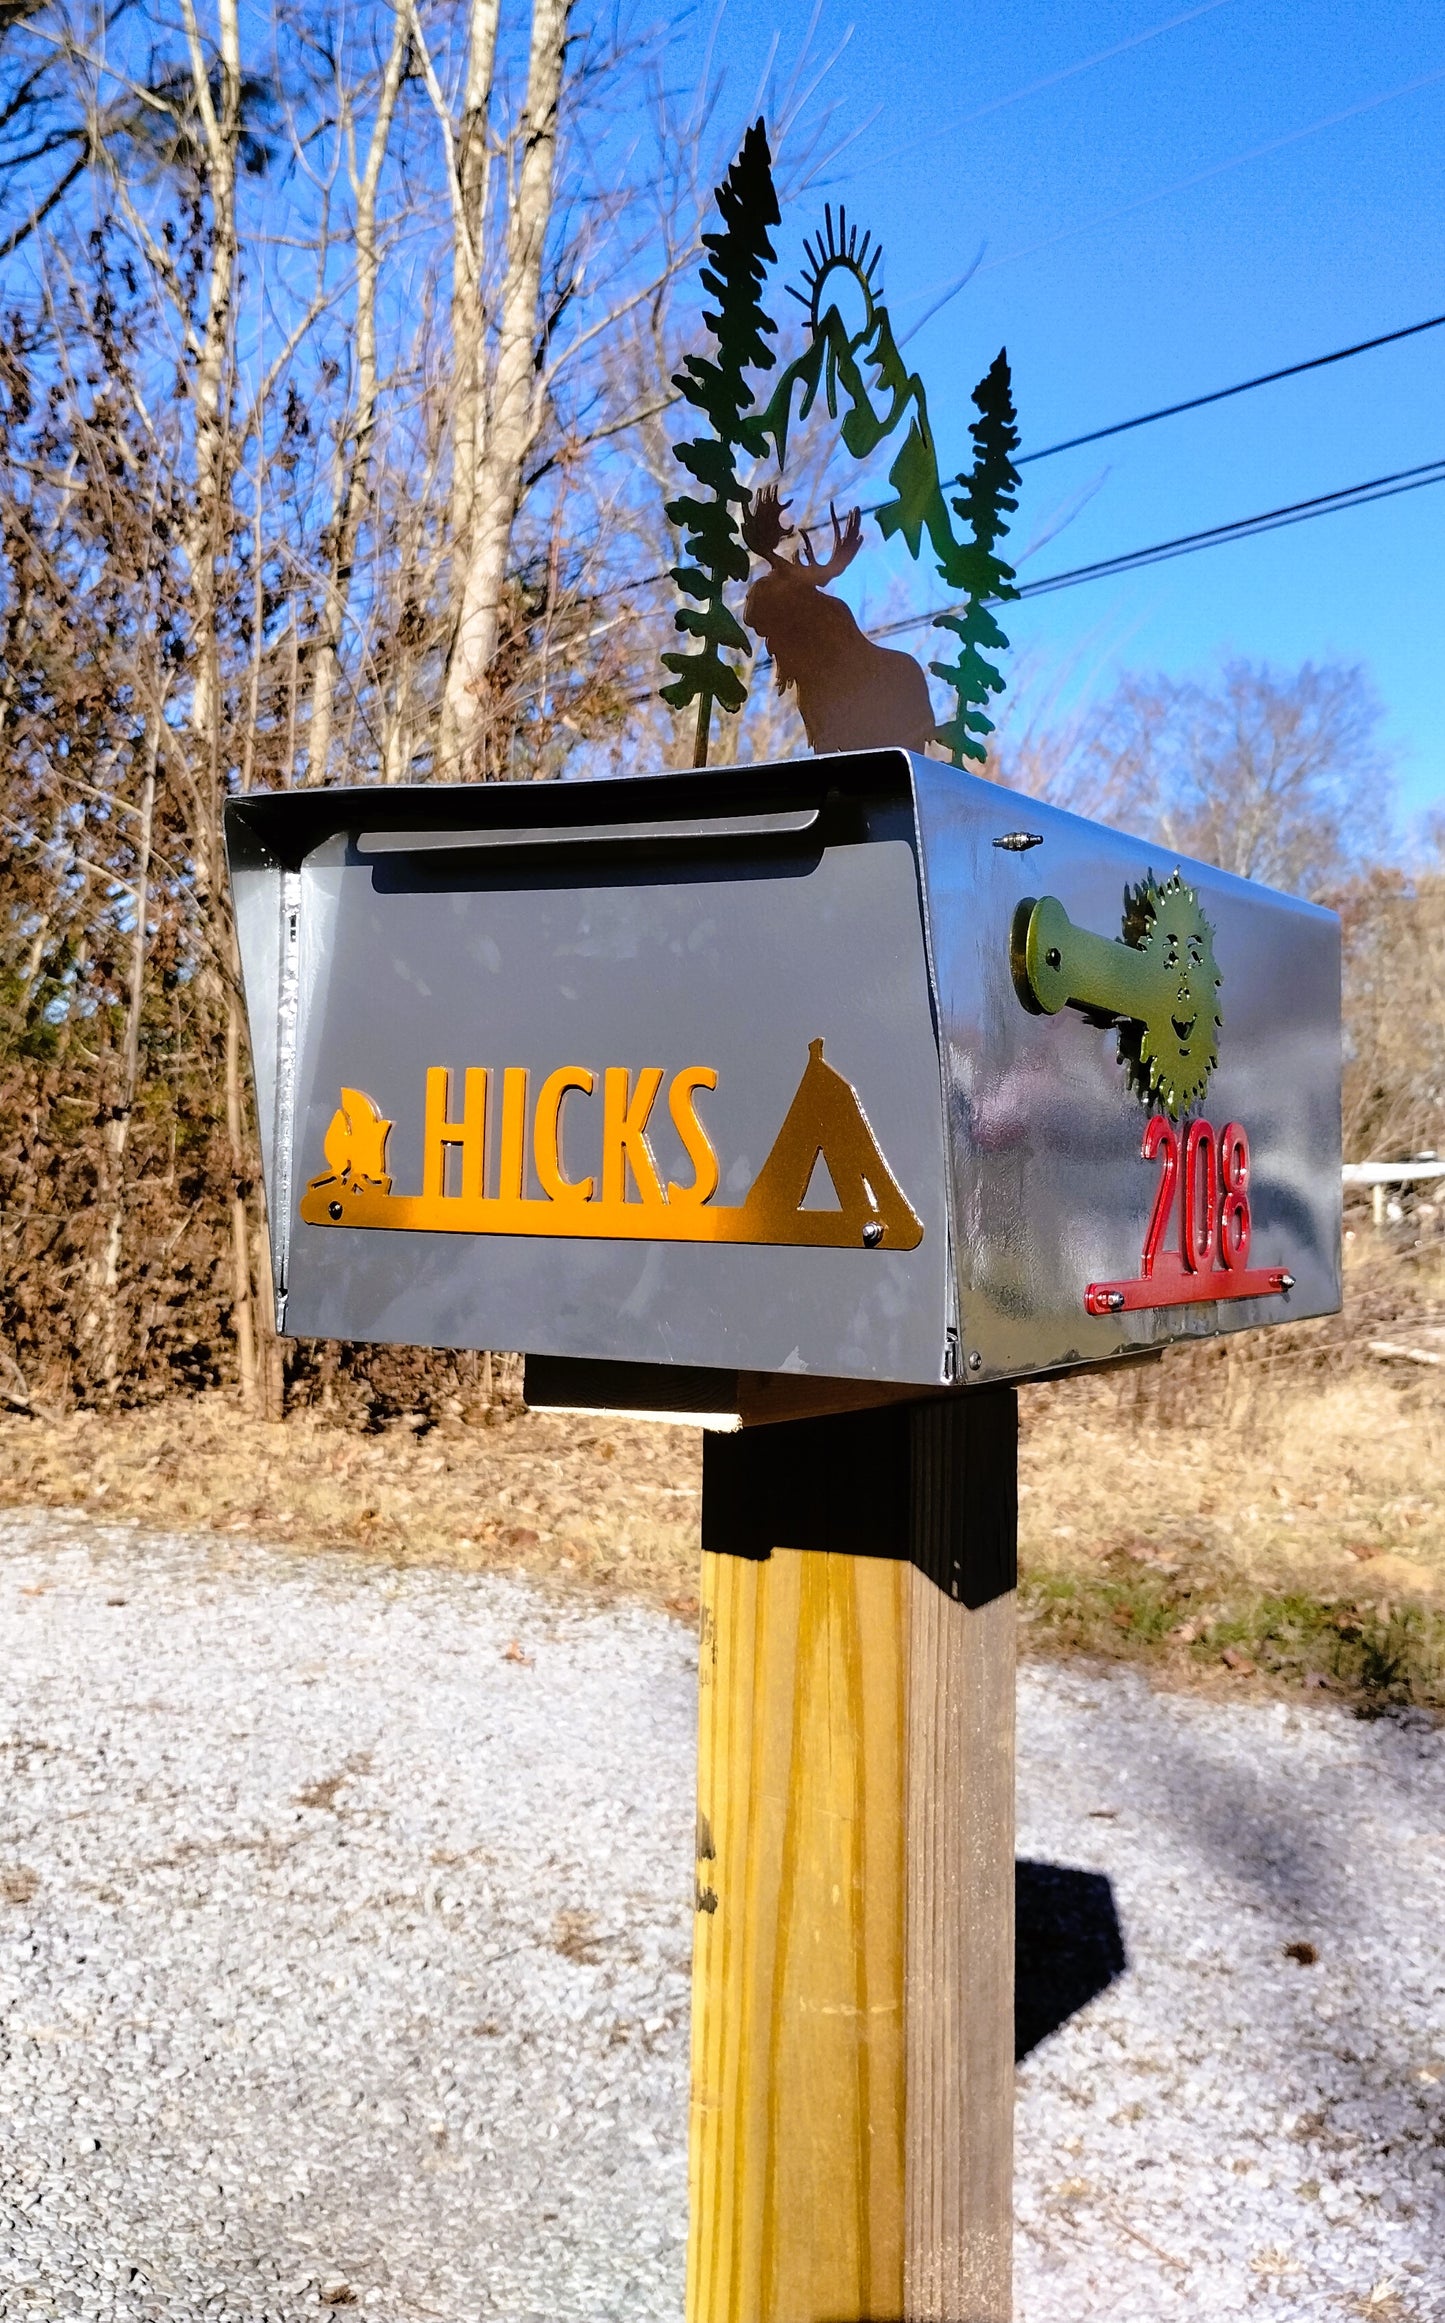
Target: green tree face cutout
[[1159, 983]]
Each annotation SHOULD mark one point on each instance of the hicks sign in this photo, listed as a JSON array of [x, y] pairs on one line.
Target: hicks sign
[[623, 1199]]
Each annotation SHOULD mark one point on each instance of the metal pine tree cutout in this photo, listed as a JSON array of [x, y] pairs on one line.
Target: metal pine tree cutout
[[713, 552]]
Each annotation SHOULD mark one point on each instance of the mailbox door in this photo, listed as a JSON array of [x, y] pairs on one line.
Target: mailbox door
[[662, 1092]]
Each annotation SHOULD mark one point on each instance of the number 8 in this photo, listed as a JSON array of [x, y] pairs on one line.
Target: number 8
[[1234, 1221]]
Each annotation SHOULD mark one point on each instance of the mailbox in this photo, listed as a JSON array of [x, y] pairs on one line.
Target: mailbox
[[707, 1087]]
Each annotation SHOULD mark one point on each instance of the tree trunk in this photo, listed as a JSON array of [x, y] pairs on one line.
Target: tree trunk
[[354, 480], [220, 128], [220, 124], [469, 199], [513, 418], [117, 1127]]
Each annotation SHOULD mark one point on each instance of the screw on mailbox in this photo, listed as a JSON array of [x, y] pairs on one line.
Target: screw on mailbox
[[1019, 842]]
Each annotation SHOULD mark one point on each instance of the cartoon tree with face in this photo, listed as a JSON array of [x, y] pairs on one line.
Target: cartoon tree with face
[[714, 553]]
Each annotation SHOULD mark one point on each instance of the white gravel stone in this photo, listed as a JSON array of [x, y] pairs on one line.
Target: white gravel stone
[[341, 1954]]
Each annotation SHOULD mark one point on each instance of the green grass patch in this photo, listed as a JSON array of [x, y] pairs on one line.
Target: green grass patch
[[1378, 1654]]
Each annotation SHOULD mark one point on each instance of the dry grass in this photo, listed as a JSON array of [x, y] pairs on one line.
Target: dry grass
[[1293, 1527], [612, 1504], [1273, 1509], [1324, 1485], [1269, 1506]]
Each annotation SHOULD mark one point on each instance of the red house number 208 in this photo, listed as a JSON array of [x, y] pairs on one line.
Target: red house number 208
[[1207, 1173], [1196, 1250]]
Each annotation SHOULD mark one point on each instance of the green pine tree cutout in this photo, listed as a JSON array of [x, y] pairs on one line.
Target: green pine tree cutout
[[714, 553], [989, 496]]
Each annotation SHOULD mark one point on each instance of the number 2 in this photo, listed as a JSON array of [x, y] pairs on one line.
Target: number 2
[[1160, 1141]]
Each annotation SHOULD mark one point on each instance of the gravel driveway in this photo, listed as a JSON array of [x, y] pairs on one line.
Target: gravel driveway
[[344, 1925]]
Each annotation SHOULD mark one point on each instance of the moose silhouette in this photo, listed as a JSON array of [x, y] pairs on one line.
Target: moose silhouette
[[851, 693]]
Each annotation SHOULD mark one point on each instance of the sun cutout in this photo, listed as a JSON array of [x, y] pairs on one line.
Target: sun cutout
[[839, 252]]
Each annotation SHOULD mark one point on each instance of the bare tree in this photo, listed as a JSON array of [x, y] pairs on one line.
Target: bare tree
[[1393, 925], [353, 467], [332, 400], [1277, 775], [498, 403]]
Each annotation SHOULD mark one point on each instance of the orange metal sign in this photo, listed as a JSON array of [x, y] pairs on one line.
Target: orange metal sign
[[825, 1122]]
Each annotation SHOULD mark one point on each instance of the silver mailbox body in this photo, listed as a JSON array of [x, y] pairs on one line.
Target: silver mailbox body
[[825, 1068]]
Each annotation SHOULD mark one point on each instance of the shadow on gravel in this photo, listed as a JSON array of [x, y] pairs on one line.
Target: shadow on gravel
[[1068, 1948]]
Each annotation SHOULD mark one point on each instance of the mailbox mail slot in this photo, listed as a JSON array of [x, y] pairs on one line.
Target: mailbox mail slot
[[860, 1068]]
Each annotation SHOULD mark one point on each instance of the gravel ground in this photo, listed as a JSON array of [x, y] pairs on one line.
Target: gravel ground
[[344, 1922]]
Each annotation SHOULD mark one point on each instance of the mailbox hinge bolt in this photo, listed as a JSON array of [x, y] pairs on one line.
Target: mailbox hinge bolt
[[975, 1360], [1285, 1280], [1019, 842]]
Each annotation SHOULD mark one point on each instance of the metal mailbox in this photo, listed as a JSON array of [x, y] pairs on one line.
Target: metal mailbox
[[860, 1069]]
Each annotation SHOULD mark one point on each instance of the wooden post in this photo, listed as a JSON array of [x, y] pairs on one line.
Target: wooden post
[[852, 2056]]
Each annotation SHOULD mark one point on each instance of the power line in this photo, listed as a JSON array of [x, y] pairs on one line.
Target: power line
[[1214, 536], [1185, 544], [1221, 394], [1122, 427], [1246, 528]]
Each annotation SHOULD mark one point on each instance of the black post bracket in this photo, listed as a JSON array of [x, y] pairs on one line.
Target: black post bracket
[[935, 1484]]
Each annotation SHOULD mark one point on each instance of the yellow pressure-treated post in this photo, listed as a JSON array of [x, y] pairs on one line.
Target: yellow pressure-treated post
[[798, 2034], [851, 2131]]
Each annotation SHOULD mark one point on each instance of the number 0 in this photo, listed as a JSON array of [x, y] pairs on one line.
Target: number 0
[[1199, 1205]]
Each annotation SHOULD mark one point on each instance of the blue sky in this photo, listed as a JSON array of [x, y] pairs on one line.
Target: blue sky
[[1117, 287]]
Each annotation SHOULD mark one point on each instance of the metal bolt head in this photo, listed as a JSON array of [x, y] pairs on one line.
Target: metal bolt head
[[975, 1360], [873, 1233], [333, 1209]]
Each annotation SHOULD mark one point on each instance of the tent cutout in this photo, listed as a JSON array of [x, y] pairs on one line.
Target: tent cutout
[[826, 1124]]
